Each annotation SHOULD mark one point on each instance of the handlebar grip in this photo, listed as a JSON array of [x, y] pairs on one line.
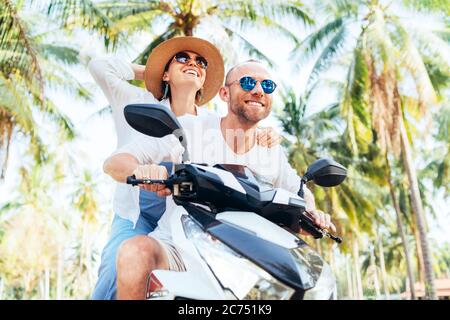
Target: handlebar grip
[[308, 225], [335, 238], [132, 180]]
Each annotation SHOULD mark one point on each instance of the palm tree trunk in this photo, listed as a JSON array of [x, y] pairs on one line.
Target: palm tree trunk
[[376, 282], [404, 242], [7, 146], [318, 247], [354, 283], [349, 278], [1, 288], [419, 254], [47, 284], [416, 204], [398, 215], [359, 288], [331, 259], [59, 275], [383, 268]]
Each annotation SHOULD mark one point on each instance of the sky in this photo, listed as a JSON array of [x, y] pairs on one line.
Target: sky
[[96, 136]]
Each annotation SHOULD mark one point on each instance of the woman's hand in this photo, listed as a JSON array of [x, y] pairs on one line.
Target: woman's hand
[[268, 137], [153, 171], [138, 71]]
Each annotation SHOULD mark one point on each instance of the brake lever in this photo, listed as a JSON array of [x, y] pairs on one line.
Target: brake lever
[[309, 226]]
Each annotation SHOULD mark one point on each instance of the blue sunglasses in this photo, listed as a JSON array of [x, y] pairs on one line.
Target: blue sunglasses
[[249, 83]]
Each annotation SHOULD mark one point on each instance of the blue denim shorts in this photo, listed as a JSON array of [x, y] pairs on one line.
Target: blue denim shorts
[[152, 208]]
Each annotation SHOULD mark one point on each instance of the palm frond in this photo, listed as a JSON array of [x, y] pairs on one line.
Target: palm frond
[[19, 55], [266, 24], [323, 61], [86, 14], [249, 47], [57, 77], [119, 10], [293, 9], [437, 6], [24, 99], [412, 60], [105, 111], [64, 124], [305, 49], [60, 53]]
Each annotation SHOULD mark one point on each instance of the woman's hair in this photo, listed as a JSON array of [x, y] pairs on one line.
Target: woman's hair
[[198, 94]]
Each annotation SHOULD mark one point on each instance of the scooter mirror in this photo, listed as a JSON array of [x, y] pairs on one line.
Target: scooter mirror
[[155, 121], [325, 173]]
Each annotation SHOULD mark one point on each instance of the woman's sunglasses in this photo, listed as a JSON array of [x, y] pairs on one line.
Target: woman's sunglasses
[[249, 83], [183, 57]]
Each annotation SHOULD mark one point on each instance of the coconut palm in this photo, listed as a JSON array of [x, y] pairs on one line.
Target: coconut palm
[[438, 168], [221, 21], [385, 55], [353, 204], [85, 202], [32, 235], [30, 63]]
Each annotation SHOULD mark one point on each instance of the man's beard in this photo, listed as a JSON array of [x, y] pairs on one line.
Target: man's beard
[[247, 116]]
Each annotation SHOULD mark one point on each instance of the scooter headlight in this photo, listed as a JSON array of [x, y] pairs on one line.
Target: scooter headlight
[[234, 272], [325, 285]]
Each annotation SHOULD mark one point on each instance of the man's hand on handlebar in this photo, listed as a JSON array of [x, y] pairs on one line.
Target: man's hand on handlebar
[[321, 219], [153, 171]]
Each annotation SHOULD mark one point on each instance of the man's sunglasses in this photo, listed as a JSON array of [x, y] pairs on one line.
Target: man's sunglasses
[[183, 57], [249, 83]]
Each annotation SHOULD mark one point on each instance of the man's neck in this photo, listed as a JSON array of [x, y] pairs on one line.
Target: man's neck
[[182, 101], [239, 134]]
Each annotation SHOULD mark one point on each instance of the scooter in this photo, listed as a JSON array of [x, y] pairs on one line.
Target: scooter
[[237, 235]]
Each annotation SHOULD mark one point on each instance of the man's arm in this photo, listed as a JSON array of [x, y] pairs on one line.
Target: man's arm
[[120, 166], [288, 179], [139, 157]]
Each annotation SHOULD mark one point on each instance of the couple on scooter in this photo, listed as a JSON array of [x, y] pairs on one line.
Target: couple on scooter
[[182, 74]]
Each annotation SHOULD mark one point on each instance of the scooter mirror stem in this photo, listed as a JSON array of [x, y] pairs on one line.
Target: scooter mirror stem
[[301, 193]]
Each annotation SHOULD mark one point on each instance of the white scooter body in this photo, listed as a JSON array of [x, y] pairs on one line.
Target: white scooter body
[[198, 282]]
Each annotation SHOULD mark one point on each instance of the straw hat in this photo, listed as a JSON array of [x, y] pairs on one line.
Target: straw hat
[[165, 51]]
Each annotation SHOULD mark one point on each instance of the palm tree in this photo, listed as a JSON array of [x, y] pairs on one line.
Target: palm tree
[[221, 20], [384, 56], [85, 202], [354, 202], [438, 168], [30, 63], [32, 235]]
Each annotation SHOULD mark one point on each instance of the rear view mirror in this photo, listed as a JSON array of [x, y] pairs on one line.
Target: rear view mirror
[[155, 121], [325, 173]]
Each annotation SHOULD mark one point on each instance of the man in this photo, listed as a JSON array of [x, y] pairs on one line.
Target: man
[[232, 139]]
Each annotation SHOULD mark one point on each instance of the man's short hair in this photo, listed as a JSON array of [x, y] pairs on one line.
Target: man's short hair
[[227, 77]]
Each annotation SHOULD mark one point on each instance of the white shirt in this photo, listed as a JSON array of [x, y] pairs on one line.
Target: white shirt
[[206, 144], [112, 75]]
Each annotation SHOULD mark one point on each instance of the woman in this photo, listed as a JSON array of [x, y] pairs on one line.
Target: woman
[[182, 74]]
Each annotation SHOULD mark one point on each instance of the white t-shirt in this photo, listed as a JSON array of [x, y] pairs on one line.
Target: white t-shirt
[[112, 75], [206, 144]]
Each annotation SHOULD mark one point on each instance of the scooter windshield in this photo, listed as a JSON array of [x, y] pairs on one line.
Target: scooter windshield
[[259, 182]]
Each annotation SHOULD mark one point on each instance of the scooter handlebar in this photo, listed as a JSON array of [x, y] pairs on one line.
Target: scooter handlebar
[[134, 182], [309, 226]]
